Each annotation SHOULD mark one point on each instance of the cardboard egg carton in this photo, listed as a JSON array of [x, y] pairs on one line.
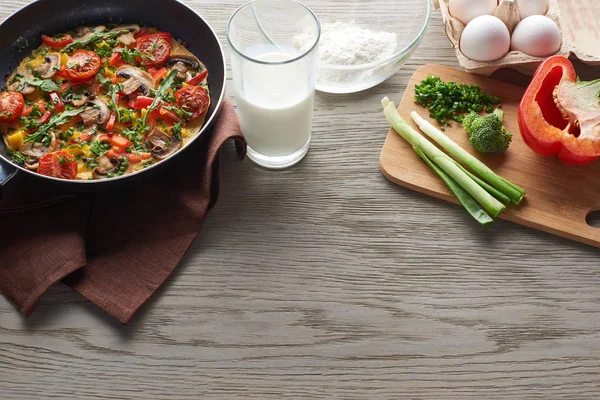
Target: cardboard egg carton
[[508, 12]]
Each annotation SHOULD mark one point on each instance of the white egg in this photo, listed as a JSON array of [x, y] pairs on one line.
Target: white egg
[[527, 8], [466, 10], [486, 38], [537, 36]]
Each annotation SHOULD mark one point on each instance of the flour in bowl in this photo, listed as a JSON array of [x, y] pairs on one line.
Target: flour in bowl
[[346, 43]]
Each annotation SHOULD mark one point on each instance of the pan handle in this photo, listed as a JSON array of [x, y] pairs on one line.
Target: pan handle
[[7, 171]]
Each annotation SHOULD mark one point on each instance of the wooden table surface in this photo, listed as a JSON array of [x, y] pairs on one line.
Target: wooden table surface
[[328, 281]]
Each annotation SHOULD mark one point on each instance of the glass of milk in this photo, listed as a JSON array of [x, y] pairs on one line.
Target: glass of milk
[[274, 80]]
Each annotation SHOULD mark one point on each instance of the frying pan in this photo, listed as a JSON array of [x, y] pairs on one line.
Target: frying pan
[[20, 33]]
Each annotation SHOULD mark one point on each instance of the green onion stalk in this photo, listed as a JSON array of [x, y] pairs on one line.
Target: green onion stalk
[[508, 189], [470, 191]]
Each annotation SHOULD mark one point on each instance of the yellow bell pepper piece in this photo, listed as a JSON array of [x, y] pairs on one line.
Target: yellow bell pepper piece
[[85, 150], [16, 140], [82, 167], [75, 151], [64, 58]]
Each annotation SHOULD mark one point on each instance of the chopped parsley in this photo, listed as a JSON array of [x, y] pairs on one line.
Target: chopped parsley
[[99, 148], [176, 130], [17, 157]]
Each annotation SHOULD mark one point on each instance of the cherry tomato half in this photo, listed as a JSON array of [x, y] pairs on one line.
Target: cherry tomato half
[[83, 64], [155, 48], [59, 164], [193, 99], [11, 106]]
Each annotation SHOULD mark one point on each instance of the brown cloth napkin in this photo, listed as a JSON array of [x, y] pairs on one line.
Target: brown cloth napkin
[[117, 246]]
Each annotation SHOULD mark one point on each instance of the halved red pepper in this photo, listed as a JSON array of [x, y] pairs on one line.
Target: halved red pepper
[[560, 115]]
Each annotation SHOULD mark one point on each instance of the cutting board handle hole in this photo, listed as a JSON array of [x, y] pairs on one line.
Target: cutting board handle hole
[[593, 219]]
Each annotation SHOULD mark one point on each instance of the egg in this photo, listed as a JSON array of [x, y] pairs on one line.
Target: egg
[[527, 8], [537, 36], [486, 38], [466, 10]]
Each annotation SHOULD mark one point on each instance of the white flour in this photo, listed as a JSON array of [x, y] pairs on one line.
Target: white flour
[[346, 43]]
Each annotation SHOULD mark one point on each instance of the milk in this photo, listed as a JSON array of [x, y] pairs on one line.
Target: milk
[[275, 105]]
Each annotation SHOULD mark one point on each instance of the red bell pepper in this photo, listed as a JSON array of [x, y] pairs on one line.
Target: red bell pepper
[[26, 111], [139, 157], [171, 116], [45, 117], [120, 142], [57, 43], [560, 115], [110, 125], [116, 60], [158, 74], [142, 102], [58, 103], [198, 78]]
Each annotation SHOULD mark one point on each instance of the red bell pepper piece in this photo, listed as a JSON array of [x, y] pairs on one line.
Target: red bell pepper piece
[[27, 110], [198, 78], [120, 142], [560, 115], [139, 157], [142, 102], [57, 43], [116, 152], [58, 103], [158, 74], [104, 138], [110, 125], [116, 60], [164, 113], [62, 74], [45, 117]]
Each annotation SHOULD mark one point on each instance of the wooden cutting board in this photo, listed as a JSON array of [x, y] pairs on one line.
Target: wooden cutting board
[[559, 196]]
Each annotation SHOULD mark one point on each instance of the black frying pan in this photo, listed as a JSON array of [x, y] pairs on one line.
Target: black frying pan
[[22, 31]]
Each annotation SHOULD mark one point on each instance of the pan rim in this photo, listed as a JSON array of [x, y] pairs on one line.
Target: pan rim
[[208, 123]]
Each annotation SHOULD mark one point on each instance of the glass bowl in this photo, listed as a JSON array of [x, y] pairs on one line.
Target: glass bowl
[[408, 19]]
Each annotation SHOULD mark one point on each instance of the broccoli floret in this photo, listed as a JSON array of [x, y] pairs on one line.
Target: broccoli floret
[[487, 134]]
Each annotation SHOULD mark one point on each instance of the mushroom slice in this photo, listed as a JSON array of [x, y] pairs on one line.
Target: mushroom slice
[[97, 113], [23, 87], [84, 32], [105, 166], [181, 69], [34, 151], [126, 39], [79, 100], [133, 28], [163, 144], [136, 79], [109, 166], [180, 54], [50, 65]]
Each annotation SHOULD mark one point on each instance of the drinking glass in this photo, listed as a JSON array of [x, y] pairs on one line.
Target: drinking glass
[[273, 46]]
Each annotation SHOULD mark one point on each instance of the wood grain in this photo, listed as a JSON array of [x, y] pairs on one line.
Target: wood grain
[[549, 204], [327, 281]]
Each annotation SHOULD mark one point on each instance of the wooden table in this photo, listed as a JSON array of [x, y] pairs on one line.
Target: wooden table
[[328, 281]]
